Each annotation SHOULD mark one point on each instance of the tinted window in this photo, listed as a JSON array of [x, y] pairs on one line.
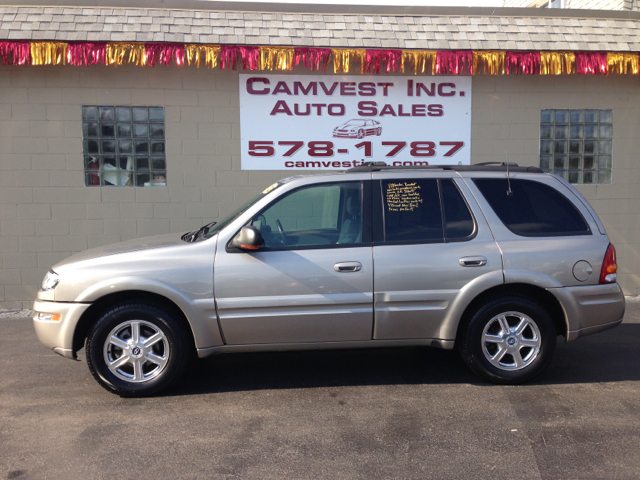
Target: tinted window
[[412, 211], [534, 209], [327, 214], [458, 219]]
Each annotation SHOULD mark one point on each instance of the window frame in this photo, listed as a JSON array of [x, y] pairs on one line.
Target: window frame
[[366, 240], [379, 218]]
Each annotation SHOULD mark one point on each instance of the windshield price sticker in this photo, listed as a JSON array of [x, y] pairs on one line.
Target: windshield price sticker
[[305, 122]]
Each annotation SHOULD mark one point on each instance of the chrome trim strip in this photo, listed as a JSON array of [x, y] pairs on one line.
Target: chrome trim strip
[[281, 347]]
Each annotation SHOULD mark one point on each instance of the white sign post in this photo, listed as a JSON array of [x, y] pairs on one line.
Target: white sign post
[[309, 122]]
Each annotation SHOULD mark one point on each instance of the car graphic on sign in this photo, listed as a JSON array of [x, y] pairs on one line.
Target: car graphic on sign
[[358, 128]]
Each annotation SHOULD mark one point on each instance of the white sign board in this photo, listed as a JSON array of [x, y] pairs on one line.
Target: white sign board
[[321, 122]]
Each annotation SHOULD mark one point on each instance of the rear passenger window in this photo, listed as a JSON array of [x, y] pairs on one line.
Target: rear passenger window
[[457, 217], [534, 209], [412, 211]]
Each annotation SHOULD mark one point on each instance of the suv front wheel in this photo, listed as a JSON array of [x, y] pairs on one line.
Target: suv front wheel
[[508, 340], [137, 349]]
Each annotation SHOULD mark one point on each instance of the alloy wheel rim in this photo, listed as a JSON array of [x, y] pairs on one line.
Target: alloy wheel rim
[[136, 351], [511, 341]]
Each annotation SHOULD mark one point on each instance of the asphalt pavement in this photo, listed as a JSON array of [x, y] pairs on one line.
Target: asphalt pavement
[[368, 414]]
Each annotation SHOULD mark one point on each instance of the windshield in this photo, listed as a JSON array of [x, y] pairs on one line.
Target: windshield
[[238, 211], [354, 123]]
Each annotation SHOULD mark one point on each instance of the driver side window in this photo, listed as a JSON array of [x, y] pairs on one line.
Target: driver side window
[[329, 214]]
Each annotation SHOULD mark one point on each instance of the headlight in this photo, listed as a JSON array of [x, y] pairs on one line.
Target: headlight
[[51, 280]]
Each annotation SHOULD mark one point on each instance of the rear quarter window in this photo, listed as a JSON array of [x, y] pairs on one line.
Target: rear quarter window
[[534, 209]]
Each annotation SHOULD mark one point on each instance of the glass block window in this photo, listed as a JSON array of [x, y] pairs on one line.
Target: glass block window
[[576, 144], [124, 146]]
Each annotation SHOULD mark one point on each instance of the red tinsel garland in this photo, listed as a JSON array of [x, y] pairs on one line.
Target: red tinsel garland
[[15, 53], [312, 58], [523, 63], [447, 62], [229, 57], [594, 63], [374, 59], [89, 53], [162, 53], [454, 62]]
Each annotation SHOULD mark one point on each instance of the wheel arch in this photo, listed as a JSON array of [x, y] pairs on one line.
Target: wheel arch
[[539, 295], [109, 301]]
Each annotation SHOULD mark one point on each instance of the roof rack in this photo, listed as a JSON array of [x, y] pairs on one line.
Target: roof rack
[[478, 167]]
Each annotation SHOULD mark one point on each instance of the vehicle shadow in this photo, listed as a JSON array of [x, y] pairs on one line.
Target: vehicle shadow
[[610, 356]]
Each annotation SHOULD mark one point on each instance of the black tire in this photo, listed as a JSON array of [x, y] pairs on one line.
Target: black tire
[[474, 350], [173, 347]]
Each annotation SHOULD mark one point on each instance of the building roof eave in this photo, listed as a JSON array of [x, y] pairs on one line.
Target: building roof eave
[[326, 26]]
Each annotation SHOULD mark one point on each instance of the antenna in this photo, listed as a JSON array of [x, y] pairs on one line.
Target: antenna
[[509, 192]]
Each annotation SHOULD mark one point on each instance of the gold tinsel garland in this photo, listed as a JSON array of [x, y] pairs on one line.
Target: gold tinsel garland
[[49, 53], [196, 53], [276, 58], [489, 62], [420, 61], [424, 62], [622, 63], [556, 63], [342, 59]]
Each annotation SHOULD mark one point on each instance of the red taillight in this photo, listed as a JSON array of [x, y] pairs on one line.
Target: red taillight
[[609, 266]]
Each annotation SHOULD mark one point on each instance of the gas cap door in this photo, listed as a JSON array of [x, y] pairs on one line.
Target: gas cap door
[[582, 270]]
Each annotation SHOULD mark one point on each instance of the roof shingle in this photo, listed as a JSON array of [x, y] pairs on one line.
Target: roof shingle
[[364, 31]]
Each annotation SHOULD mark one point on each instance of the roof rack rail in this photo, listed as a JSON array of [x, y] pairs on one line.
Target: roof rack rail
[[477, 167], [493, 164]]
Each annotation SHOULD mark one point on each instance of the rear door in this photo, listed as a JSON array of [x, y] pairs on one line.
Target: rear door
[[430, 243]]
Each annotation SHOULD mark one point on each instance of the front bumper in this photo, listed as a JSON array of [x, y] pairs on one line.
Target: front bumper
[[590, 309], [345, 135], [58, 335]]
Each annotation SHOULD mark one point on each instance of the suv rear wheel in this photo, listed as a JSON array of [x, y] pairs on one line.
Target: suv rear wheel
[[136, 350], [508, 340]]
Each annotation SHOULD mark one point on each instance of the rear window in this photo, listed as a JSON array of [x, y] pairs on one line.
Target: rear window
[[534, 209]]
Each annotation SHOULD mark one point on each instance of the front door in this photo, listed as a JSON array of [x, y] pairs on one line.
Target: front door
[[429, 245], [313, 279]]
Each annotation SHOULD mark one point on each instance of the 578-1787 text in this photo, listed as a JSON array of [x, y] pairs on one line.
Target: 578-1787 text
[[327, 149]]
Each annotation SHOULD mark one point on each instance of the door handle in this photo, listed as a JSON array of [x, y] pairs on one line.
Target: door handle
[[473, 261], [344, 267]]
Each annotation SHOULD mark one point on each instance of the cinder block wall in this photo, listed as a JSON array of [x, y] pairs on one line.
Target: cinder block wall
[[46, 212], [506, 118]]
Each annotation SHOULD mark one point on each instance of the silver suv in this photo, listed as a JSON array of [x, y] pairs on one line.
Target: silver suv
[[494, 260]]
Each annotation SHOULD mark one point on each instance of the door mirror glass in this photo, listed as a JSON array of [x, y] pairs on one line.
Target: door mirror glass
[[248, 238]]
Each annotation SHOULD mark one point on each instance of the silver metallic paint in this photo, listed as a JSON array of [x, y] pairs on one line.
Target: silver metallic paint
[[301, 302], [417, 285], [300, 296]]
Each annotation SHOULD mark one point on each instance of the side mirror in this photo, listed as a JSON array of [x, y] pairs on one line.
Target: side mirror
[[248, 238]]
